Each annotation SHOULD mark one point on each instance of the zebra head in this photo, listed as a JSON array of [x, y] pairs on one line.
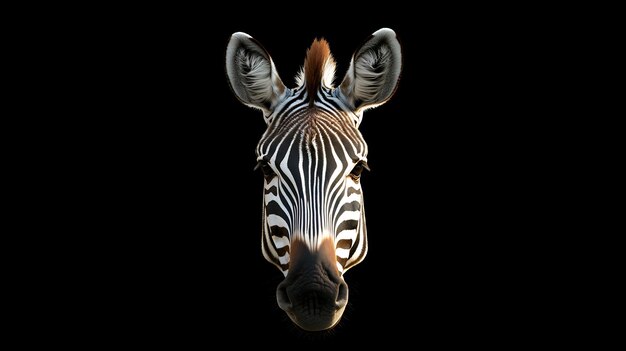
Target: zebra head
[[312, 155]]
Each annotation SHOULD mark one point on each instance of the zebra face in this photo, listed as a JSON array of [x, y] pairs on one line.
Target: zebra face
[[314, 228], [312, 160], [312, 156]]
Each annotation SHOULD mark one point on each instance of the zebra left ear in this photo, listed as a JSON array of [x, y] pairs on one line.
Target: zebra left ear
[[374, 71]]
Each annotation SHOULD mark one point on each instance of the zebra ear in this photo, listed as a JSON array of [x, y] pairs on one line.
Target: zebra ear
[[251, 73], [374, 71]]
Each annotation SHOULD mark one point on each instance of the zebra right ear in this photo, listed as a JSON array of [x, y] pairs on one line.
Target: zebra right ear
[[251, 73]]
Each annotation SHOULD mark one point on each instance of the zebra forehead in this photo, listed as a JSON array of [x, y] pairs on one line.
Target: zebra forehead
[[315, 138], [310, 121]]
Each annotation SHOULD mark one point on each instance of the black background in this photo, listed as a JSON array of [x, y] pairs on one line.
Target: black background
[[180, 205]]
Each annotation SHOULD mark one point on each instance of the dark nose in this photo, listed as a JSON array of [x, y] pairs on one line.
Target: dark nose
[[313, 295], [311, 303]]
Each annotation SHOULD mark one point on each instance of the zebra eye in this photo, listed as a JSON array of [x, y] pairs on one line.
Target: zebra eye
[[358, 168], [267, 170]]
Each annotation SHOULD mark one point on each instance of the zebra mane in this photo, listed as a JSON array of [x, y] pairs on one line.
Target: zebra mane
[[318, 70]]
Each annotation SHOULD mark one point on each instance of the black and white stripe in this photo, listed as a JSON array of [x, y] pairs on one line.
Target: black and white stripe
[[312, 150]]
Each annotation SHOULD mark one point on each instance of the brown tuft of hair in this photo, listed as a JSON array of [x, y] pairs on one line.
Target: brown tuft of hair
[[314, 62]]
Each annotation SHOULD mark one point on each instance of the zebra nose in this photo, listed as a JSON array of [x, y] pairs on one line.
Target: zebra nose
[[311, 306], [284, 301]]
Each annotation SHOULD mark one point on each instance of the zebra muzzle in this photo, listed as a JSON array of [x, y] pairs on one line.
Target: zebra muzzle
[[314, 294]]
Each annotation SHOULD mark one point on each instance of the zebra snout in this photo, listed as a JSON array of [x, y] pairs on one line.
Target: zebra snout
[[284, 301], [311, 303]]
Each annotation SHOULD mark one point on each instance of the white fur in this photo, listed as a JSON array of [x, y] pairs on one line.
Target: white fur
[[328, 74], [369, 84], [255, 75]]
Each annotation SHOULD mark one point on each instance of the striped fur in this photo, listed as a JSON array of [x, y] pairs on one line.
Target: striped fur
[[312, 150], [312, 143]]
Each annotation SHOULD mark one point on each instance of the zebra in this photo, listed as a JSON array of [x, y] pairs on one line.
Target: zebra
[[311, 156]]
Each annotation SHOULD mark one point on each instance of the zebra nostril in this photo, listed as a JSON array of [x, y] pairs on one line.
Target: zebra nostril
[[342, 295], [283, 298]]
